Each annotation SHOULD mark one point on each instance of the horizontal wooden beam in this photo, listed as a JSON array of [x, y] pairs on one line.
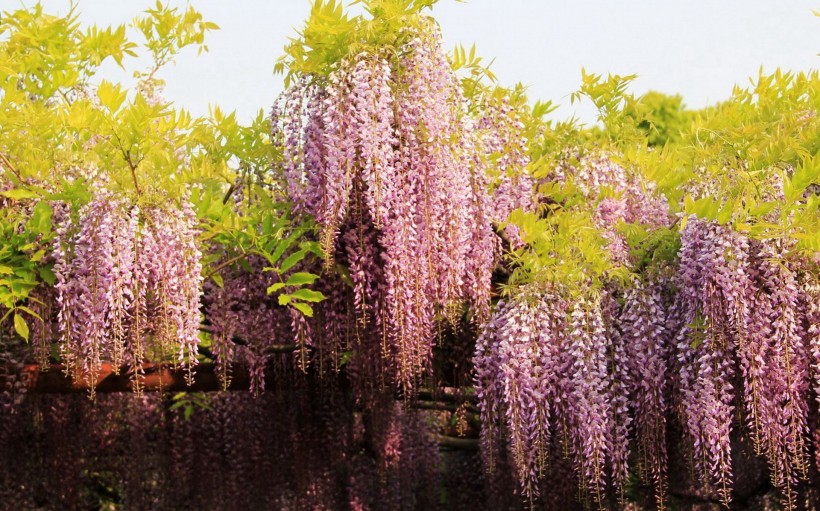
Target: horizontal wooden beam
[[458, 443], [155, 378], [53, 380]]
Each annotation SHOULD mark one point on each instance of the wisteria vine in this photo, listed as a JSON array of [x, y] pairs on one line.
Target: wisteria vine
[[718, 339], [381, 154]]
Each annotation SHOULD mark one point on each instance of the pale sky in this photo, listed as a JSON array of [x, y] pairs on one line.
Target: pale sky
[[697, 48]]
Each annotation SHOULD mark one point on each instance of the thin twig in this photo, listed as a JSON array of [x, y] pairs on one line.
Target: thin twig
[[7, 164], [126, 154], [226, 264]]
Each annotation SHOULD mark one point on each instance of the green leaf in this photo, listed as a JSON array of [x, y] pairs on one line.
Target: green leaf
[[37, 256], [312, 247], [218, 280], [276, 287], [31, 312], [5, 270], [47, 275], [280, 249], [284, 299], [40, 221], [19, 194], [308, 295], [292, 260], [20, 326], [110, 95], [301, 278], [304, 308]]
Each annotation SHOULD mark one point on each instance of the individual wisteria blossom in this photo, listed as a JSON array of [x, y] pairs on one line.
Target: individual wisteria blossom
[[128, 287], [381, 154]]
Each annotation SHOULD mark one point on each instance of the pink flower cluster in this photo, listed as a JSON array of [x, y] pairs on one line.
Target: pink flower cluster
[[545, 375], [128, 285], [381, 155], [505, 154], [726, 340], [743, 312], [241, 308], [643, 323]]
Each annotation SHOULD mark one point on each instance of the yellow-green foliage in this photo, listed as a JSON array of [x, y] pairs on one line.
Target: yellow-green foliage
[[66, 133], [330, 34], [751, 161]]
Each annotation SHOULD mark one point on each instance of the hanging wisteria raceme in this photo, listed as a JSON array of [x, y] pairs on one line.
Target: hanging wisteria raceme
[[45, 332], [128, 284], [500, 185], [775, 359], [505, 148], [711, 293], [88, 265], [558, 374], [810, 298], [619, 388], [645, 334], [742, 315], [545, 368], [505, 385], [245, 321], [376, 152], [174, 284], [588, 411]]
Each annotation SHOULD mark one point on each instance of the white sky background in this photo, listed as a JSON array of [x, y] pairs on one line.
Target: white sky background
[[697, 48]]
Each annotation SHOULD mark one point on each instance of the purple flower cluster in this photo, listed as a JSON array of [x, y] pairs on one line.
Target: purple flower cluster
[[711, 292], [728, 334], [645, 336], [742, 313], [504, 150], [116, 267], [546, 375], [381, 155], [241, 308]]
